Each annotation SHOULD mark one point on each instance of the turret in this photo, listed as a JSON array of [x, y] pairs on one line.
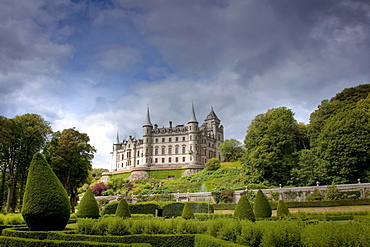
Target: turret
[[147, 132], [193, 130]]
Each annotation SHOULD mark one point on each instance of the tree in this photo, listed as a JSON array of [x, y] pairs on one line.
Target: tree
[[123, 210], [187, 212], [88, 207], [45, 205], [244, 210], [231, 150], [271, 143], [282, 209], [262, 208], [99, 188], [70, 156], [24, 136], [213, 164]]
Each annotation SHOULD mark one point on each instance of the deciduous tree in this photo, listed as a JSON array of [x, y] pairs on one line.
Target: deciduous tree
[[70, 156]]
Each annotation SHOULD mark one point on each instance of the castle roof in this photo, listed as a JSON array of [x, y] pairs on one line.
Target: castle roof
[[193, 119], [147, 120], [212, 116]]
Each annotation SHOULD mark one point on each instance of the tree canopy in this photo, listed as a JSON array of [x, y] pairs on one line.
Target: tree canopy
[[231, 150], [70, 156], [271, 143]]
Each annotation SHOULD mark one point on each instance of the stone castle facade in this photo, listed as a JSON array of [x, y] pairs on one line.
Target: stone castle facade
[[173, 147]]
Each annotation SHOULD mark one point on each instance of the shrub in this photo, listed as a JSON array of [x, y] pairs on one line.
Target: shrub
[[332, 193], [244, 210], [123, 210], [144, 207], [118, 227], [314, 196], [44, 208], [212, 164], [88, 207], [282, 209], [187, 212], [110, 208], [99, 188], [262, 208], [227, 195]]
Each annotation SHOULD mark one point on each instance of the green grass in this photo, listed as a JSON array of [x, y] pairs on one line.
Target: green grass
[[121, 175], [164, 174]]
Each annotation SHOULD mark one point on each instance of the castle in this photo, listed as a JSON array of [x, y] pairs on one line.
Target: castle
[[174, 147]]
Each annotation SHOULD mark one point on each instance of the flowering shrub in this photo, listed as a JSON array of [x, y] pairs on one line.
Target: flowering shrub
[[99, 188]]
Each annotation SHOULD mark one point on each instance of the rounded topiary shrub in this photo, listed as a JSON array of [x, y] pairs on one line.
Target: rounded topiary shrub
[[88, 206], [46, 206], [187, 212], [244, 210], [262, 208], [123, 209], [282, 209]]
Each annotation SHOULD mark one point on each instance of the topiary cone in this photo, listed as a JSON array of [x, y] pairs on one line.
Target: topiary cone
[[46, 206], [88, 207], [282, 209], [123, 210], [262, 208], [244, 210], [187, 212]]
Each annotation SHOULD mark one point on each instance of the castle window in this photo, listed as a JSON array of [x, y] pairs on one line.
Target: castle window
[[183, 159], [177, 159], [137, 162], [156, 151], [162, 160], [163, 151], [156, 140], [190, 137], [177, 139], [128, 154], [169, 150], [138, 153], [156, 160], [162, 139], [169, 139], [169, 160], [183, 149], [183, 138], [176, 150]]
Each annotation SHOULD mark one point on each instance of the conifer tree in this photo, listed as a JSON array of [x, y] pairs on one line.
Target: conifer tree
[[282, 209], [244, 210], [46, 205], [262, 208], [123, 210], [187, 212], [88, 207]]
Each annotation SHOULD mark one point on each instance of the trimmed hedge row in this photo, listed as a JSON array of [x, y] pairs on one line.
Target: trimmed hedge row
[[184, 240], [201, 240], [168, 209], [232, 206], [27, 242]]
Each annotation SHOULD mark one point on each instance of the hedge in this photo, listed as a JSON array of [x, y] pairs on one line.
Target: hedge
[[201, 240], [174, 209], [184, 240], [309, 204], [24, 242], [88, 206], [135, 208]]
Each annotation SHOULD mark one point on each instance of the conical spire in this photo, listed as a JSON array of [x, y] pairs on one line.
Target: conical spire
[[117, 139], [147, 120], [193, 119]]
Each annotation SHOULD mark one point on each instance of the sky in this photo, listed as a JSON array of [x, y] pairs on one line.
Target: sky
[[97, 65]]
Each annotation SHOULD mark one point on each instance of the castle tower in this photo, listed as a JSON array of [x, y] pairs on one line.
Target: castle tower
[[147, 132], [193, 131]]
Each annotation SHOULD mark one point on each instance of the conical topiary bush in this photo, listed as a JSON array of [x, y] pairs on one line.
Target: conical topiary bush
[[244, 210], [123, 210], [88, 206], [46, 205], [262, 208], [282, 209], [187, 212]]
